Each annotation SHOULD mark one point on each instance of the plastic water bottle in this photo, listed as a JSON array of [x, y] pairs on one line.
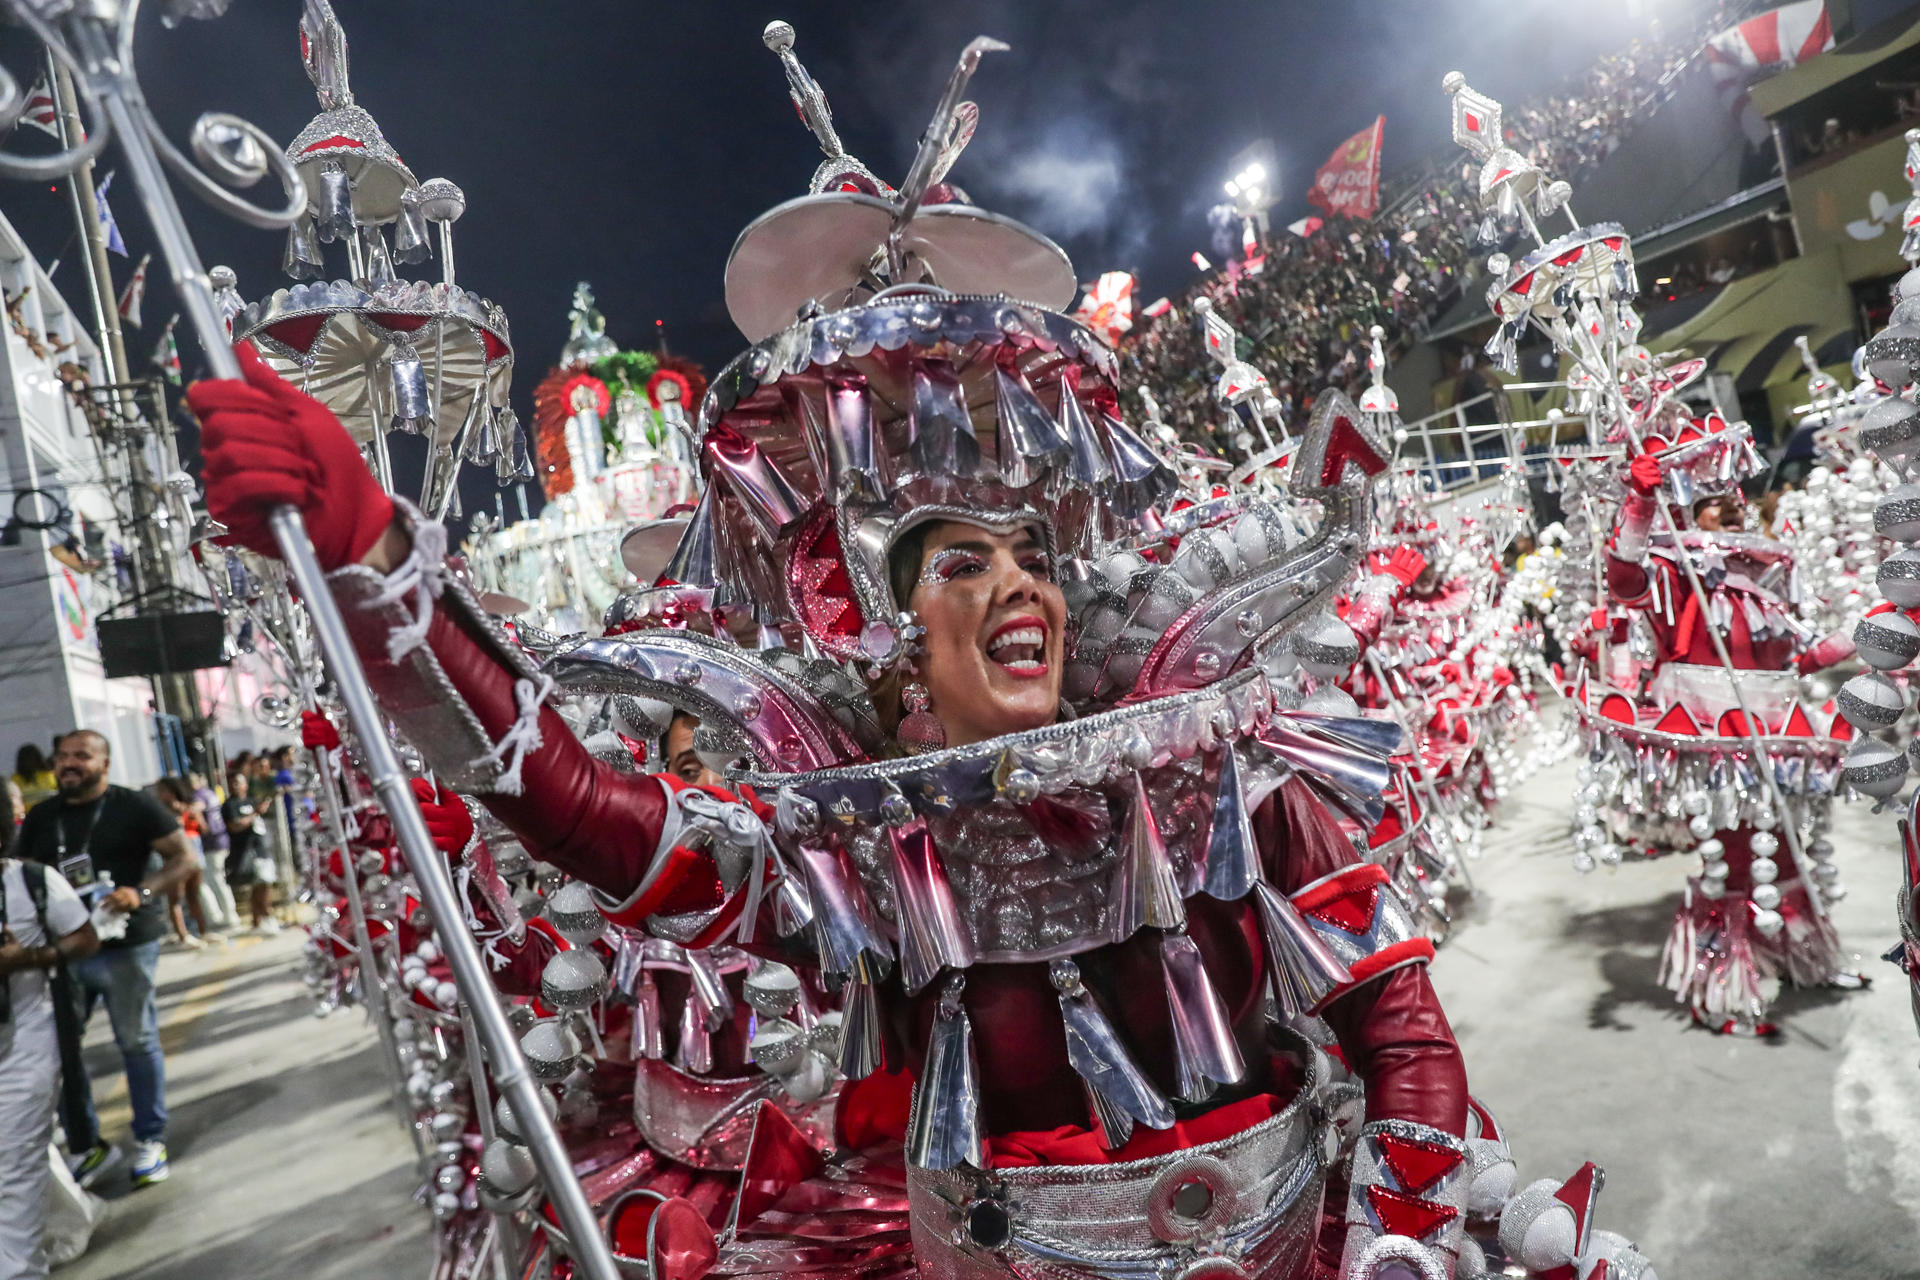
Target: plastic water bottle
[[109, 925]]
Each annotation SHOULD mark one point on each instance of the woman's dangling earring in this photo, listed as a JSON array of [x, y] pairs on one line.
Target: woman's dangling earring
[[920, 729]]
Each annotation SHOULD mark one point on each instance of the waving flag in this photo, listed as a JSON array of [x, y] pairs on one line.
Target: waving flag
[[41, 112], [114, 242], [166, 353], [135, 293], [1775, 40], [1108, 307], [1349, 182]]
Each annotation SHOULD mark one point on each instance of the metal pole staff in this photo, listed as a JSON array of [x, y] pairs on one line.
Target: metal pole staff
[[96, 41]]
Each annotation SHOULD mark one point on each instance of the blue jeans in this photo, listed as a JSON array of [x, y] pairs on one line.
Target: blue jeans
[[123, 977]]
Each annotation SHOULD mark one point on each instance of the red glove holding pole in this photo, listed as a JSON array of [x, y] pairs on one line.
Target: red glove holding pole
[[447, 818], [267, 444], [1643, 475], [317, 732], [1404, 565]]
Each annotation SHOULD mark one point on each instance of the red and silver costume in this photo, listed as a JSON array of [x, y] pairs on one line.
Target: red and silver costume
[[1108, 988], [1690, 692]]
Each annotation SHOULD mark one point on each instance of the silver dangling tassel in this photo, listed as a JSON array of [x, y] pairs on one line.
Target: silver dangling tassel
[[303, 260], [943, 440], [1143, 479], [1233, 862], [696, 1045], [709, 987], [694, 561], [1086, 456], [932, 933], [860, 1046], [335, 221], [412, 407], [792, 905], [1203, 1042], [1145, 893], [373, 245], [1303, 969], [1120, 1093], [1025, 432], [482, 445], [454, 509], [945, 1131], [843, 918], [856, 459], [649, 1040], [411, 241], [514, 463]]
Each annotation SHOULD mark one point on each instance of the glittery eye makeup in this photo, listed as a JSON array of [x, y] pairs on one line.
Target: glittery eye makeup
[[943, 564]]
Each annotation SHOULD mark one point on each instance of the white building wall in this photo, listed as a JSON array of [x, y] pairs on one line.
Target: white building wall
[[50, 673]]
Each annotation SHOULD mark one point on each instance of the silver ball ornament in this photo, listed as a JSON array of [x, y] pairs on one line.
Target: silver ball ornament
[[1870, 701], [1583, 862], [1766, 896], [1874, 769], [573, 979], [1886, 641], [508, 1167], [1764, 844], [1768, 922], [1700, 826], [1764, 870]]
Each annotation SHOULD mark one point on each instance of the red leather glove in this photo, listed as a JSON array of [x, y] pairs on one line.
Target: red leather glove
[[1404, 566], [447, 818], [267, 444], [1643, 475], [316, 732]]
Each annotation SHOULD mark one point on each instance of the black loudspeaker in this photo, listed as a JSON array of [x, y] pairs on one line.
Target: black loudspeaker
[[162, 643]]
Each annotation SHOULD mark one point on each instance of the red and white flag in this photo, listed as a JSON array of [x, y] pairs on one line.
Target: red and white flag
[[1773, 41], [135, 292], [1348, 184], [1108, 307], [1306, 226], [41, 112]]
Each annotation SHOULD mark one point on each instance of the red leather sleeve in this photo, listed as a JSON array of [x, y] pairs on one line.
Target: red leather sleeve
[[582, 815], [1391, 1031]]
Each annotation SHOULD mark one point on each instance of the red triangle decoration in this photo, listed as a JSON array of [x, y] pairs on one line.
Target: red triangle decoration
[[1839, 728], [1578, 1194], [1403, 1215], [1351, 911], [1797, 725], [1416, 1165], [1618, 708], [1678, 720]]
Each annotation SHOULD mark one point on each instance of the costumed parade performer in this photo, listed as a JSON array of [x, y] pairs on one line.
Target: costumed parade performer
[[1692, 694], [1046, 815]]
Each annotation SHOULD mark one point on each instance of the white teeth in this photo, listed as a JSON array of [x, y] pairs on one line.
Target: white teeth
[[1025, 635]]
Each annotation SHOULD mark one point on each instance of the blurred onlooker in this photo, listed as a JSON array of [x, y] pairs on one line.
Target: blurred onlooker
[[102, 838], [249, 864], [43, 927], [213, 845], [183, 899], [33, 774]]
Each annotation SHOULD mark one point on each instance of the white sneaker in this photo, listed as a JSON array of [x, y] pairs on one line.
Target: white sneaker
[[149, 1163], [268, 926]]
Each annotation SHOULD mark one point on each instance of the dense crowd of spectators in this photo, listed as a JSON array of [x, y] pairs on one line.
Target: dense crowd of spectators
[[1304, 314]]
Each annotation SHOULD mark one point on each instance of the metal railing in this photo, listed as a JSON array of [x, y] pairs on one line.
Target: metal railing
[[1454, 451]]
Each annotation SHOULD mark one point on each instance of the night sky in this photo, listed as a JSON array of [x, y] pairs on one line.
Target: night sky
[[627, 144]]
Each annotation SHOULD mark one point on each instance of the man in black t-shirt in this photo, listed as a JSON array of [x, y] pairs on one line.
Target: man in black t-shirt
[[105, 839]]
